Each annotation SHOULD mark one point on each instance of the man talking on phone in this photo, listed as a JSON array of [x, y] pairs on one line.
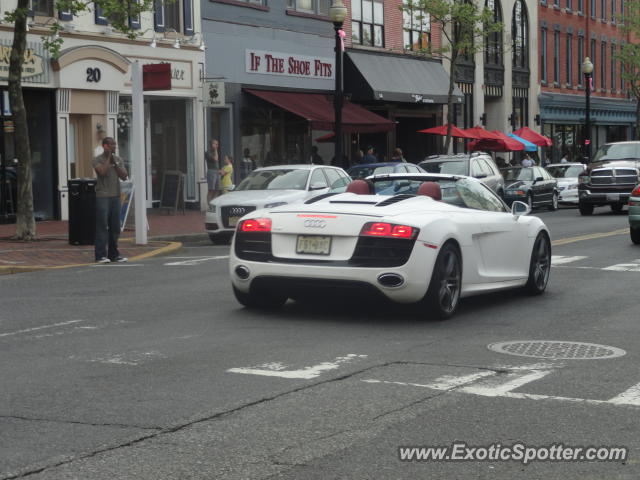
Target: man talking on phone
[[110, 170]]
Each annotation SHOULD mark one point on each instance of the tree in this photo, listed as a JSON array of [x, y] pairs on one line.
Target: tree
[[629, 55], [465, 29], [118, 12]]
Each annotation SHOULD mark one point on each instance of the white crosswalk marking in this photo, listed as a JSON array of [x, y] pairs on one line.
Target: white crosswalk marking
[[628, 397], [625, 267], [561, 259]]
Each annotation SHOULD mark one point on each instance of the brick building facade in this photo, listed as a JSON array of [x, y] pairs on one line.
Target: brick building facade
[[569, 31]]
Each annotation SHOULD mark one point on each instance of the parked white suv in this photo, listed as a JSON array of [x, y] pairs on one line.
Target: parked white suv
[[477, 164]]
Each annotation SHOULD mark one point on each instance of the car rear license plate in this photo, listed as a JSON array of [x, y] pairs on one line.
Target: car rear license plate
[[613, 197], [313, 244], [233, 221]]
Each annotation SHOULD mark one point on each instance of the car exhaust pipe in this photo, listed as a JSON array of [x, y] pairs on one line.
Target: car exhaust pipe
[[242, 272], [390, 280]]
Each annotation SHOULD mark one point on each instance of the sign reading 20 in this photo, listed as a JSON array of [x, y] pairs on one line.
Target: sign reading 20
[[93, 75]]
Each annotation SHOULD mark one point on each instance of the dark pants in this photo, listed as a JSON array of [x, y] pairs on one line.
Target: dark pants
[[107, 227]]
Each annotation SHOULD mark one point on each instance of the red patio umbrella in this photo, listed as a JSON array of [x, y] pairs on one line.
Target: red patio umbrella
[[326, 138], [533, 137], [442, 130], [492, 145], [480, 133], [511, 143]]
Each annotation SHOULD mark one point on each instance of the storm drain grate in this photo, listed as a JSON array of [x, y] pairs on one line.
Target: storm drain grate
[[555, 350]]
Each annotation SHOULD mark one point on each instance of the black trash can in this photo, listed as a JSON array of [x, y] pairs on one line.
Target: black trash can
[[82, 211]]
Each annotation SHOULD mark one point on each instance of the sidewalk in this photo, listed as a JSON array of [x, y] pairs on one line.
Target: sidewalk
[[52, 250]]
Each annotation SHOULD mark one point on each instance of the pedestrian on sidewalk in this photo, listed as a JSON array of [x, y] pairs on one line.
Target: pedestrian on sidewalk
[[212, 162], [226, 174], [110, 170]]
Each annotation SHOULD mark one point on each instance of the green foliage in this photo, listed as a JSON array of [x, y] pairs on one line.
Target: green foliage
[[463, 24]]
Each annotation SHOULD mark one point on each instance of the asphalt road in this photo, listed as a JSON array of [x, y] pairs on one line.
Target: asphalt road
[[153, 371]]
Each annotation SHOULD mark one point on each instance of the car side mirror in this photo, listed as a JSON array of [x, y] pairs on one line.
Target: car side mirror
[[318, 186], [520, 208], [538, 179]]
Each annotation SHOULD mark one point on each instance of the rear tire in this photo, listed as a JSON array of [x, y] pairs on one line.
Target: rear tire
[[443, 295], [540, 265], [616, 207], [635, 235], [585, 208], [554, 203], [264, 300], [218, 239]]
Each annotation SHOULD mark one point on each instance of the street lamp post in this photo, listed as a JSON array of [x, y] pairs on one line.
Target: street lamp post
[[587, 70], [337, 14]]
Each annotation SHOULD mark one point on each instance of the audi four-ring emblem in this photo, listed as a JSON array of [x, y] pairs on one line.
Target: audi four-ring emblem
[[315, 223], [237, 211]]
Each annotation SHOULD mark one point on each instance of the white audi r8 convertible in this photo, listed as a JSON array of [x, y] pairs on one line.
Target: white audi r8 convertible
[[412, 238]]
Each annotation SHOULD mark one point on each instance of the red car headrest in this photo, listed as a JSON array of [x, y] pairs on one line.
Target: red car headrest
[[359, 187], [430, 189]]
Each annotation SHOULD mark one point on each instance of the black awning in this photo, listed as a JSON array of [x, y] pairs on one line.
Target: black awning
[[397, 78]]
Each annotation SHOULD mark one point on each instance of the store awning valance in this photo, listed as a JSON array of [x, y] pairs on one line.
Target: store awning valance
[[318, 110], [397, 78]]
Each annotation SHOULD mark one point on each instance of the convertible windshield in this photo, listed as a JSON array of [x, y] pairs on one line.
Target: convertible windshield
[[565, 171], [618, 151], [513, 174], [462, 192], [453, 167], [285, 179]]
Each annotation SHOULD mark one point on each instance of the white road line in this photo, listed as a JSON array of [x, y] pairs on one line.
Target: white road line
[[624, 267], [34, 329], [628, 397], [278, 369], [496, 386], [561, 259], [195, 261]]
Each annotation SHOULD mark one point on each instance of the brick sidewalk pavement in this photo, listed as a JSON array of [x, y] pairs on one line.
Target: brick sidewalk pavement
[[52, 248]]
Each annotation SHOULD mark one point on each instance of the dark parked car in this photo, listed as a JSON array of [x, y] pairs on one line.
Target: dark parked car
[[366, 169], [533, 185], [610, 177], [478, 165]]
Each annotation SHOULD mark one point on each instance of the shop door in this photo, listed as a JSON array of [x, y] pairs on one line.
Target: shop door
[[81, 147]]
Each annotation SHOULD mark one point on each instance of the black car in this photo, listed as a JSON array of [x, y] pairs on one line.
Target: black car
[[478, 165], [532, 185]]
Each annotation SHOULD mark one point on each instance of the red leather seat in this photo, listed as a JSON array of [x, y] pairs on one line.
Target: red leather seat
[[359, 187], [430, 189]]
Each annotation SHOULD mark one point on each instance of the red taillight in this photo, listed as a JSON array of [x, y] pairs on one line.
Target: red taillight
[[382, 229], [636, 191], [255, 225]]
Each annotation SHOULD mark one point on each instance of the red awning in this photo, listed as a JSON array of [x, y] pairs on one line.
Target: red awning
[[318, 110]]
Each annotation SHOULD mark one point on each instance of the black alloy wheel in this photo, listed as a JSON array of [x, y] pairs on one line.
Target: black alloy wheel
[[635, 235], [616, 207], [585, 208], [554, 202], [540, 265], [443, 295], [264, 300]]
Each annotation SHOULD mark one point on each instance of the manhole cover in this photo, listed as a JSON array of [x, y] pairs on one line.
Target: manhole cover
[[557, 350]]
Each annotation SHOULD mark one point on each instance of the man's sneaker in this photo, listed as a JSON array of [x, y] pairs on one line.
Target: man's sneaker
[[103, 260], [120, 259]]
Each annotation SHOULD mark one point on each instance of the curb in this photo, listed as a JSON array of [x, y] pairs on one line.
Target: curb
[[170, 248]]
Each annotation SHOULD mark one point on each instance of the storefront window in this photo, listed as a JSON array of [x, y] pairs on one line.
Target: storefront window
[[274, 136]]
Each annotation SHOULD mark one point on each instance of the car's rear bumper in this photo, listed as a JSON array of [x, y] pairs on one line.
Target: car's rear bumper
[[308, 278]]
